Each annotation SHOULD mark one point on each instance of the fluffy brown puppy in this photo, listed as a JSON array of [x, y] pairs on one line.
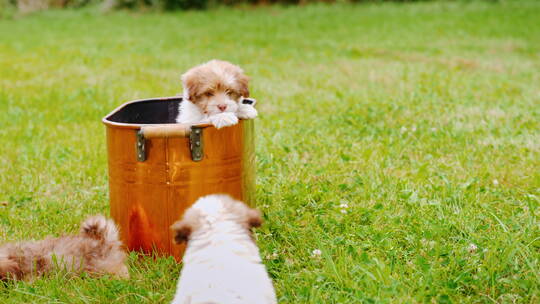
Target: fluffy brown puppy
[[213, 93], [96, 250]]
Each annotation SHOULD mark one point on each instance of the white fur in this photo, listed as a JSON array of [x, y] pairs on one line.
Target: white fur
[[222, 263], [223, 119], [190, 113], [227, 77]]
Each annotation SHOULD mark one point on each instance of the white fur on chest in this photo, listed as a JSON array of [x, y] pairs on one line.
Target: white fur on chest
[[189, 113]]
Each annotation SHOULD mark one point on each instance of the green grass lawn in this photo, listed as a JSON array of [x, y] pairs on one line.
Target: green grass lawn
[[392, 138]]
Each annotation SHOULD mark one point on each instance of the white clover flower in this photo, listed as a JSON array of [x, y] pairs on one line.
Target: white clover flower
[[344, 205], [403, 129], [316, 253], [272, 256], [413, 129], [433, 129], [343, 211], [472, 248], [495, 182]]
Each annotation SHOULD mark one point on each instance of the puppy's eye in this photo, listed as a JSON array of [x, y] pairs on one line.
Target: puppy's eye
[[208, 94]]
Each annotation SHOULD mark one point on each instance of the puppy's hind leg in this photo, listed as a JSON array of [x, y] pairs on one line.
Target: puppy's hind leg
[[9, 269]]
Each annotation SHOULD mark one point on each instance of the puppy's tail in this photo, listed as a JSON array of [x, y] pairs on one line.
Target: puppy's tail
[[9, 269], [99, 228]]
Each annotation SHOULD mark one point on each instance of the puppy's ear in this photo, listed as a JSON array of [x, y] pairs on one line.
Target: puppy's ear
[[243, 82], [254, 218], [192, 85], [182, 231]]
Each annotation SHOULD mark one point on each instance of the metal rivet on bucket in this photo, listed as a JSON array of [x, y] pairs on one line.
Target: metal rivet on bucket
[[196, 143]]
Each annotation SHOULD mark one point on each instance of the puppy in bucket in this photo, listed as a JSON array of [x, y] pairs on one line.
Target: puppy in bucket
[[221, 263], [95, 250], [217, 93]]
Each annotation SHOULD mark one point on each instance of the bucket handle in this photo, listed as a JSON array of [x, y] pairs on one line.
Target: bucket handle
[[167, 131]]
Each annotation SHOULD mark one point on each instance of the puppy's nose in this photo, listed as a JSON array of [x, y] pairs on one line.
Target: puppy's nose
[[222, 107]]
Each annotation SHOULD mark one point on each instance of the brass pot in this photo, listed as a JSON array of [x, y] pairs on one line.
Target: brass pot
[[159, 168]]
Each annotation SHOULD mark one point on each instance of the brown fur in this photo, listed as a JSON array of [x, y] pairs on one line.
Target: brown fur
[[210, 81], [183, 228], [96, 250], [182, 231], [254, 219]]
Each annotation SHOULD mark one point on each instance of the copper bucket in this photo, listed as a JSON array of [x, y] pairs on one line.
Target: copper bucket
[[158, 168]]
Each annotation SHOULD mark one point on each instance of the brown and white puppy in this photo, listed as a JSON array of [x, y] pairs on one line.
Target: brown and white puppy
[[96, 250], [214, 92], [222, 262]]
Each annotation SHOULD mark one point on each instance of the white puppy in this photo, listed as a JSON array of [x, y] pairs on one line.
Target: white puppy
[[215, 92], [221, 264]]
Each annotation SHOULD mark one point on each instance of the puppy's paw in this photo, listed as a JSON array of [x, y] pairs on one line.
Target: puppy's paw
[[248, 101], [223, 120], [247, 112]]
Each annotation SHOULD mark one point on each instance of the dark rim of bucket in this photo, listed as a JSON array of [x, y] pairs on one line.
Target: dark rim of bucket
[[110, 121]]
